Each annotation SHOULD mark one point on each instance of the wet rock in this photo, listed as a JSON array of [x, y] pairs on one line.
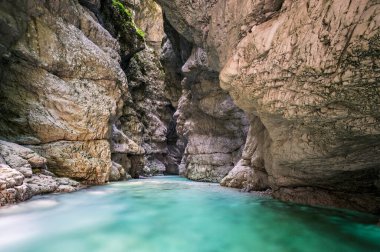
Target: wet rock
[[318, 197], [244, 177], [41, 184], [250, 173], [65, 189], [16, 187], [35, 185], [64, 93], [68, 182]]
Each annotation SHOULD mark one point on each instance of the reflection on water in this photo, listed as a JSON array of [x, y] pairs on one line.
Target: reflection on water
[[174, 214]]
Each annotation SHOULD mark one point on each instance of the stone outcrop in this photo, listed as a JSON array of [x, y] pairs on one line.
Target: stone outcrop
[[209, 123], [64, 94], [254, 94], [250, 174], [213, 126], [147, 112], [62, 64], [149, 18], [308, 71], [23, 174]]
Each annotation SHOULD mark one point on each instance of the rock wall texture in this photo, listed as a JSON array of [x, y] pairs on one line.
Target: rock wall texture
[[208, 122], [23, 174], [67, 108], [306, 73], [254, 94], [60, 64], [148, 113]]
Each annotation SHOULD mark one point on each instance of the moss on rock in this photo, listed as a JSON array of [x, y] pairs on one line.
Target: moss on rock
[[124, 19]]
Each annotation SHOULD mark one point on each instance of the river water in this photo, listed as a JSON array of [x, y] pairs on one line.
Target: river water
[[168, 214]]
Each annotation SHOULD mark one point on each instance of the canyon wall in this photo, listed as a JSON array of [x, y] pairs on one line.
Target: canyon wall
[[81, 96], [254, 94], [208, 122], [306, 74]]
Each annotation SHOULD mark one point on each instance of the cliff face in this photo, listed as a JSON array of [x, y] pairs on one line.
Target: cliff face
[[208, 122], [60, 63], [254, 94], [306, 73], [65, 97]]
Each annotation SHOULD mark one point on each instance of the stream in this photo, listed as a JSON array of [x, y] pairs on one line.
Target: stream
[[174, 214]]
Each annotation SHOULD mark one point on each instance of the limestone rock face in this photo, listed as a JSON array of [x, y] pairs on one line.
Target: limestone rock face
[[309, 71], [117, 172], [149, 19], [86, 161], [64, 94], [142, 138], [23, 174], [62, 64], [147, 112], [209, 123], [20, 158]]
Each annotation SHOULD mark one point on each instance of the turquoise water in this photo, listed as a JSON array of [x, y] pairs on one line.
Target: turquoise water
[[173, 214]]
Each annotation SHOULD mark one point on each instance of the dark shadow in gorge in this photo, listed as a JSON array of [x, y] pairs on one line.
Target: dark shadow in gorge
[[145, 138], [206, 117]]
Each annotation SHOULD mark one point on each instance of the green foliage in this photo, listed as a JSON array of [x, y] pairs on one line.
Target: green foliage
[[127, 18], [140, 32], [117, 4]]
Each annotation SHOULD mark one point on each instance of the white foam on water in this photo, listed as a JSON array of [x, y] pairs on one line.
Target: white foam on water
[[29, 205]]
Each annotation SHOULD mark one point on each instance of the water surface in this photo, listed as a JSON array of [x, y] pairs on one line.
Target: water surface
[[166, 214]]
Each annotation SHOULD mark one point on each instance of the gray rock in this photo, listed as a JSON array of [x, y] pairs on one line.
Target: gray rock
[[21, 158], [65, 189], [71, 63], [214, 129], [312, 87], [154, 167], [87, 161], [41, 184], [114, 172], [246, 178], [66, 97], [10, 177]]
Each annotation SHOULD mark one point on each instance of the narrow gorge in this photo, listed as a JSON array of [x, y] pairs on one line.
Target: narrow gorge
[[276, 96]]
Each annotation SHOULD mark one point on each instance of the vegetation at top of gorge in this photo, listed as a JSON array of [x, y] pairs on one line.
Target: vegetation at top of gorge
[[126, 22]]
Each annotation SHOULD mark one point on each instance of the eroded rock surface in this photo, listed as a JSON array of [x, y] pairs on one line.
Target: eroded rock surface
[[208, 122], [309, 70], [62, 64], [144, 137], [64, 93], [23, 174]]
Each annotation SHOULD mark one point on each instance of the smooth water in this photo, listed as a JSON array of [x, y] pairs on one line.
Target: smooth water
[[173, 214]]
